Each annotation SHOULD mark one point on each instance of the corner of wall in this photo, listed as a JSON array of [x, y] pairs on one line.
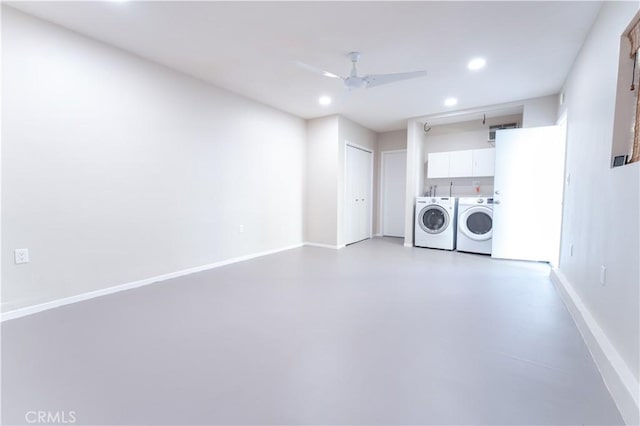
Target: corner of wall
[[618, 378], [607, 315], [415, 175], [350, 131], [541, 111], [129, 197]]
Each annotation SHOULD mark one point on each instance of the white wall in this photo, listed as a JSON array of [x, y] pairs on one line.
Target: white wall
[[321, 212], [390, 141], [116, 169], [326, 141], [464, 135], [602, 204], [538, 112], [415, 175]]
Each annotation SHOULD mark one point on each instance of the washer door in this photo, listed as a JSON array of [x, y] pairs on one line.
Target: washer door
[[476, 223], [433, 219]]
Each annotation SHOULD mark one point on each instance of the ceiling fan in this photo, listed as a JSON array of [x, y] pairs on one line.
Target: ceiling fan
[[353, 81]]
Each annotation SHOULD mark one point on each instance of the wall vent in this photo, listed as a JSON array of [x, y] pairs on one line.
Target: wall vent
[[492, 129]]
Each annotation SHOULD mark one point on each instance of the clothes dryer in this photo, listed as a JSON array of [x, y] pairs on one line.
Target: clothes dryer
[[475, 224]]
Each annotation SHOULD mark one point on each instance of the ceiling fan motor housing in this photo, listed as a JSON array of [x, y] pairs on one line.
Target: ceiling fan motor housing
[[355, 82]]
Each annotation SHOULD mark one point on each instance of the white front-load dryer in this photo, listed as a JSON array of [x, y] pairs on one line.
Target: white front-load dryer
[[435, 224], [475, 224]]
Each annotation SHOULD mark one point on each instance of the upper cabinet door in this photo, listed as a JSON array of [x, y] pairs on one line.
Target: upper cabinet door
[[460, 163], [438, 165], [484, 161], [466, 163]]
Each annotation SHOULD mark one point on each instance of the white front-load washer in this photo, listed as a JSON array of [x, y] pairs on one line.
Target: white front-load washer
[[435, 225], [475, 224]]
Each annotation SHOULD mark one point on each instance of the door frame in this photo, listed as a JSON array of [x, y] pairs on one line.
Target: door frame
[[348, 144], [381, 187], [563, 123]]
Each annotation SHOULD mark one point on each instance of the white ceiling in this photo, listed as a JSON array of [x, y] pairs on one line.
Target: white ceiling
[[251, 47]]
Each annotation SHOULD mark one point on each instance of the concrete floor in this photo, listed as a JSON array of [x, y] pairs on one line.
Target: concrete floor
[[375, 333]]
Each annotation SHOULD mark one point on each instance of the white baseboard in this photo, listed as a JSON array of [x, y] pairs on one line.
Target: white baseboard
[[329, 246], [18, 313], [622, 384]]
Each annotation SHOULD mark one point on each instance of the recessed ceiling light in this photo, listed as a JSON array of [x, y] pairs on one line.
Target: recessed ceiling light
[[324, 100], [476, 64], [450, 102]]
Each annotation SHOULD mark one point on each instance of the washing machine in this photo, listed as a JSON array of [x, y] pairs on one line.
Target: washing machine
[[435, 225], [475, 224]]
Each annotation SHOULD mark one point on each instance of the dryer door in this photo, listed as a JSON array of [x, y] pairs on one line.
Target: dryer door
[[476, 223], [433, 219]]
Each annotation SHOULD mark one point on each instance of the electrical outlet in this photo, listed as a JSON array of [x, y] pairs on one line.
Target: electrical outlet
[[241, 229], [603, 275], [21, 255]]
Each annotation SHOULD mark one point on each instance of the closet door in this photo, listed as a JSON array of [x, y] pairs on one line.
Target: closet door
[[358, 194]]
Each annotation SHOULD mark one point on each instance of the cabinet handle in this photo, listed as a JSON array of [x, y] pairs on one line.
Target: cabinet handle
[[496, 201], [497, 192]]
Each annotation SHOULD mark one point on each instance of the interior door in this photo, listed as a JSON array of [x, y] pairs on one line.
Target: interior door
[[528, 184], [394, 182], [358, 194]]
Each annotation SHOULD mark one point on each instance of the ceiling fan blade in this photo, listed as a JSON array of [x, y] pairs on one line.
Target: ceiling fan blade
[[317, 70], [374, 80]]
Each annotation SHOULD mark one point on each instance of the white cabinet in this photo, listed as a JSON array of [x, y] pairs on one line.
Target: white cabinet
[[465, 163], [461, 163], [484, 161], [438, 165]]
